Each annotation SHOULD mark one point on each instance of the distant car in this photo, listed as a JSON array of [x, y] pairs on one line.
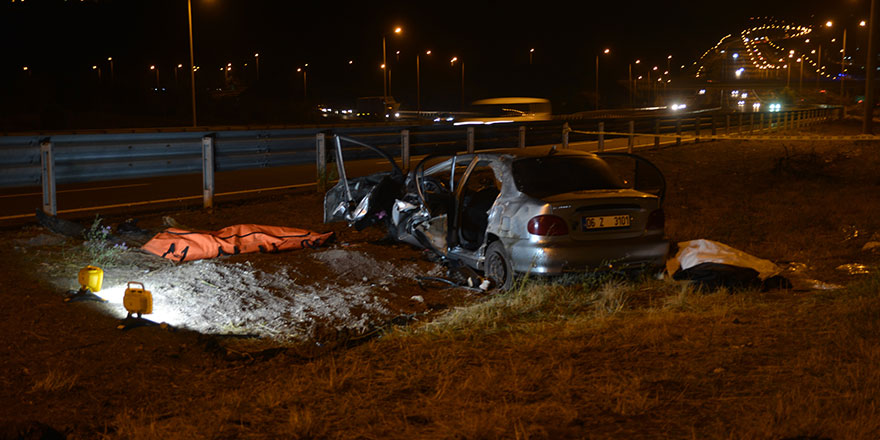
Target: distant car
[[510, 211]]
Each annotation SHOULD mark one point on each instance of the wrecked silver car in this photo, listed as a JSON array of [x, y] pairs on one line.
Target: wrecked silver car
[[502, 212]]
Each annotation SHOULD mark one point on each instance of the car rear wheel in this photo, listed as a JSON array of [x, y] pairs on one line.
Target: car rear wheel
[[498, 267]]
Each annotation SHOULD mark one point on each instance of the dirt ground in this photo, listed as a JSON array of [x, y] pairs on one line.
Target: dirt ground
[[67, 364]]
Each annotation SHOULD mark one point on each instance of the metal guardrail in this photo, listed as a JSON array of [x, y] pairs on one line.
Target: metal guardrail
[[47, 160]]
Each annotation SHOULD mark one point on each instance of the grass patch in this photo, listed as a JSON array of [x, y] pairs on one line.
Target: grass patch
[[98, 248], [56, 380]]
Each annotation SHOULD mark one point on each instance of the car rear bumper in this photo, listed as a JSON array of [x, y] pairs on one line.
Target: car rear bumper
[[556, 257]]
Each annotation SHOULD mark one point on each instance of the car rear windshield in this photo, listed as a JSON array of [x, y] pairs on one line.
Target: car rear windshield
[[550, 175]]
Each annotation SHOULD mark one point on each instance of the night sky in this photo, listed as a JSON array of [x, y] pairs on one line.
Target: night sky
[[60, 41]]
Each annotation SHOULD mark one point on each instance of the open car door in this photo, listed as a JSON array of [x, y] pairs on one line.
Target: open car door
[[361, 201], [438, 189], [637, 173]]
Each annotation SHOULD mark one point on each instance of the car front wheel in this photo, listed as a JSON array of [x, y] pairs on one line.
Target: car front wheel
[[498, 267]]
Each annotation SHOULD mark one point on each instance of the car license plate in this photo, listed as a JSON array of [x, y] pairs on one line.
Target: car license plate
[[608, 221]]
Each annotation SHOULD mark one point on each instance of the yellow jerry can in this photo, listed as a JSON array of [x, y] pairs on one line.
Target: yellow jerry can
[[91, 277], [137, 300]]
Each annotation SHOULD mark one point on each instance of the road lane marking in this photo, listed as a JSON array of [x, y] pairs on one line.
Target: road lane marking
[[151, 202], [98, 188]]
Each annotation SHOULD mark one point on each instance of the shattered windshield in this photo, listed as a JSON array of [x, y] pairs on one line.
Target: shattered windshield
[[549, 175]]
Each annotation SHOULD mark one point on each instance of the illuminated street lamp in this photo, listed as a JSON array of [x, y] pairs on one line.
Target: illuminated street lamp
[[153, 67], [606, 52], [98, 69], [829, 24], [632, 84], [531, 53], [801, 80], [257, 57], [303, 70], [419, 83], [397, 30], [176, 75], [870, 63], [192, 63], [452, 63], [110, 59]]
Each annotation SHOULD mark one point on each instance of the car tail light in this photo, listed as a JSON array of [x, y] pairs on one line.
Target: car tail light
[[547, 225], [656, 219]]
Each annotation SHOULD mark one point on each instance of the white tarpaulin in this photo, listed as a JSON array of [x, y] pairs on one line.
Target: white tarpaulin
[[694, 252]]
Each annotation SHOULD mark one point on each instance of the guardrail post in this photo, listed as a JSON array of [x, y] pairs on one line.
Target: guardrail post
[[47, 161], [797, 123], [657, 133], [697, 130], [470, 139], [208, 172], [760, 122], [751, 122], [727, 124], [678, 131], [713, 128], [321, 161], [739, 125], [522, 136], [566, 130], [601, 143], [842, 112], [404, 149], [632, 137]]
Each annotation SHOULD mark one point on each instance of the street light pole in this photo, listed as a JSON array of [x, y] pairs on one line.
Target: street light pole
[[153, 67], [597, 82], [630, 85], [418, 87], [192, 63], [843, 63], [801, 81], [462, 85], [788, 78], [303, 70], [606, 51], [385, 64], [257, 57], [870, 72], [419, 82]]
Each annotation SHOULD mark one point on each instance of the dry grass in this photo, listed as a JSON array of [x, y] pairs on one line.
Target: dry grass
[[55, 380], [720, 365]]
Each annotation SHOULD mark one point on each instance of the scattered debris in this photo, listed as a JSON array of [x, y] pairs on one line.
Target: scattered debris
[[854, 269], [871, 246]]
